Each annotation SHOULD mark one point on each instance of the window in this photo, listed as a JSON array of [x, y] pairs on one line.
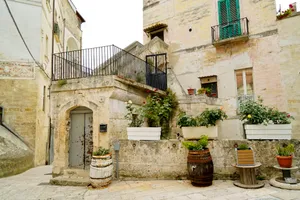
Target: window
[[1, 115], [244, 83], [159, 34], [210, 83], [229, 15], [44, 98], [47, 47]]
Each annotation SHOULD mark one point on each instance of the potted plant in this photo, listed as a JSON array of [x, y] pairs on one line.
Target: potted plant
[[244, 155], [284, 155], [101, 168], [201, 91], [205, 123], [157, 111], [208, 92], [262, 122], [199, 162], [191, 91]]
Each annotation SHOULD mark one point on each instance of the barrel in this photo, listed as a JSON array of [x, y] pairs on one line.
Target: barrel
[[101, 170], [200, 168]]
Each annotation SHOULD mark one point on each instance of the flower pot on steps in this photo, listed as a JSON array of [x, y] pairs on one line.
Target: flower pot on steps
[[101, 170]]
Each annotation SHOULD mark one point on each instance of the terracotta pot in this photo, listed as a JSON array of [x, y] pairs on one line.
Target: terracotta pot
[[285, 161], [191, 91]]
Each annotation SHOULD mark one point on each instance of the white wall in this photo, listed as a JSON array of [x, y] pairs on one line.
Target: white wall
[[27, 14]]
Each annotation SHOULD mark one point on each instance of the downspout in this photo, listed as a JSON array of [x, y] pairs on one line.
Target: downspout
[[47, 161]]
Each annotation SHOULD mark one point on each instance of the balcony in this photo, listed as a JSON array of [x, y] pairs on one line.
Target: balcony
[[108, 61], [234, 31]]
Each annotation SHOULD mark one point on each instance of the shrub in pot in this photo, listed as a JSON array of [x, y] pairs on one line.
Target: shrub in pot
[[244, 155], [157, 111], [199, 162], [203, 124], [284, 155]]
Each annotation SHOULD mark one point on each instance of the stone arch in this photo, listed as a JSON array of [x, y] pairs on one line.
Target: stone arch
[[72, 44], [62, 131]]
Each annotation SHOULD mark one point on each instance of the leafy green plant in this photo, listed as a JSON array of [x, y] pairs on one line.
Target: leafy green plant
[[285, 150], [159, 109], [61, 83], [254, 112], [209, 117], [101, 152], [135, 120], [185, 120], [201, 144], [201, 91], [243, 147]]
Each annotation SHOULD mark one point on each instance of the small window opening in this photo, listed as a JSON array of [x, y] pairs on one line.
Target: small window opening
[[159, 34], [1, 115], [211, 85]]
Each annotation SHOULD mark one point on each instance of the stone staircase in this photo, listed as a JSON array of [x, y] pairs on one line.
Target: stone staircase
[[72, 177]]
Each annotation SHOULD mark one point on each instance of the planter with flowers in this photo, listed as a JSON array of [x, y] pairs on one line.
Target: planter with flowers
[[286, 13], [262, 122], [157, 111], [203, 124]]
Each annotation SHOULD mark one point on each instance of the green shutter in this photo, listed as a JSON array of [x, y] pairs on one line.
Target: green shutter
[[229, 15]]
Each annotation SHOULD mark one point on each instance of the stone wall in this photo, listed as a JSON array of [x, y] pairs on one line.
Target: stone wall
[[19, 100], [167, 159], [15, 156], [289, 56], [106, 97], [272, 52]]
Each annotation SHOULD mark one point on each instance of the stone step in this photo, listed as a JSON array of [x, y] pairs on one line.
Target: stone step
[[70, 181], [76, 173]]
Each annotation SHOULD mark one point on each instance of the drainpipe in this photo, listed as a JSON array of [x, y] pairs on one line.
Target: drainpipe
[[47, 161]]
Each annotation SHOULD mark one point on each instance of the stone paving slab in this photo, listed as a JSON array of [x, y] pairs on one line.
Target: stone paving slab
[[34, 185]]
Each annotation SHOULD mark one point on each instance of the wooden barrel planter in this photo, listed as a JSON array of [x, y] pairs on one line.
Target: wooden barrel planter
[[200, 167], [101, 170]]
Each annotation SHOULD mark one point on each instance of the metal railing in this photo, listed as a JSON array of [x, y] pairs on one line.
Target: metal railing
[[102, 61], [231, 29]]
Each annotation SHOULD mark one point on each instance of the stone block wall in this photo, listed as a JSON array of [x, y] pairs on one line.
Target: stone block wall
[[19, 100], [167, 159]]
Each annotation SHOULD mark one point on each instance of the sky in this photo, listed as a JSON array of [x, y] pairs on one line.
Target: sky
[[120, 22]]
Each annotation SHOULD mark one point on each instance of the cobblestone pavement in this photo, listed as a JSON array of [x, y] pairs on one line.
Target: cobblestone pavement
[[34, 184]]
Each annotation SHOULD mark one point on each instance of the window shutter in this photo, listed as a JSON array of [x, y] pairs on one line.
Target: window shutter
[[222, 8], [234, 9]]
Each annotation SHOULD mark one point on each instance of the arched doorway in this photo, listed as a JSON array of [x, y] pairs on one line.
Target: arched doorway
[[81, 138]]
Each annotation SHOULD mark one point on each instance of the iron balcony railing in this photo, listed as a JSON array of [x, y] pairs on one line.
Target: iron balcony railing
[[104, 61], [230, 29]]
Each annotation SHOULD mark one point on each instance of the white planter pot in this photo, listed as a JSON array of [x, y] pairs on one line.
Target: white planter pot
[[277, 131], [101, 173], [144, 133], [101, 167], [196, 132]]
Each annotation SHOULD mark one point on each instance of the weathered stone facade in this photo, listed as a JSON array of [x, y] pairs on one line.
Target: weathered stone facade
[[106, 97], [168, 159], [24, 85], [271, 51]]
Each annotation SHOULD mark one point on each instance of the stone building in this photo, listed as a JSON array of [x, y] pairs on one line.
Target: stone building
[[24, 79], [238, 48]]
